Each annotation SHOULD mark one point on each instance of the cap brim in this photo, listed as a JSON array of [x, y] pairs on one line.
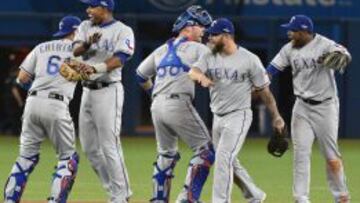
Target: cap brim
[[60, 34], [288, 26]]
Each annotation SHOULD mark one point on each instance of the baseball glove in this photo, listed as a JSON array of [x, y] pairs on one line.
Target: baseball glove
[[73, 70], [278, 143], [335, 60]]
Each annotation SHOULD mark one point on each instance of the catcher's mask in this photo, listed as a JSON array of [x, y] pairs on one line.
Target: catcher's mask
[[194, 15]]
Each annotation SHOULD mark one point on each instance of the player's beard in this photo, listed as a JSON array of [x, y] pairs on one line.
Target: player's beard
[[95, 21], [217, 48], [298, 43]]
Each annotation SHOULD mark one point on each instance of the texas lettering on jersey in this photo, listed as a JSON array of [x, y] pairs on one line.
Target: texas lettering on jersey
[[227, 74]]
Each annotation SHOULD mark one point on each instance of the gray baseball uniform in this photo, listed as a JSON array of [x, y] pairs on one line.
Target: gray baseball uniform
[[174, 115], [234, 76], [315, 114], [101, 107], [46, 114]]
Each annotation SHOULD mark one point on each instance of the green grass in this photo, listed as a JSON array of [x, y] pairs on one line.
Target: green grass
[[271, 174]]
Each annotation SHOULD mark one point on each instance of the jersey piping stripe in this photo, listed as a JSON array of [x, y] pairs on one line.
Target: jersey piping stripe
[[22, 68], [200, 123], [232, 154], [116, 109]]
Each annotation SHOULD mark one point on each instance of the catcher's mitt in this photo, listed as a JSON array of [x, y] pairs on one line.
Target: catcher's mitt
[[73, 70], [278, 143], [335, 60]]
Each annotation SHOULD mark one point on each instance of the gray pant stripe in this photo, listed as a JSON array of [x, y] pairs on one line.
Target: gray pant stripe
[[118, 138], [232, 154], [116, 109]]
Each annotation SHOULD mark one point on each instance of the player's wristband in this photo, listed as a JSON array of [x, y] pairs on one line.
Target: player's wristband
[[24, 86], [94, 76], [100, 67]]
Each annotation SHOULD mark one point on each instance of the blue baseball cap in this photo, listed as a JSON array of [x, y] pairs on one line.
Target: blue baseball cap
[[299, 23], [67, 25], [220, 26], [109, 4]]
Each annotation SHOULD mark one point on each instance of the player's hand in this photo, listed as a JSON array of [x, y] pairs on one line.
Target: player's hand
[[87, 70], [278, 125], [94, 38], [205, 81]]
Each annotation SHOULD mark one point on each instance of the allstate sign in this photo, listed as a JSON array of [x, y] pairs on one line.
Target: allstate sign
[[172, 5]]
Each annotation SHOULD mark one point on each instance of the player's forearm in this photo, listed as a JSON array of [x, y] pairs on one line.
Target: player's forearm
[[81, 48], [113, 63], [195, 74], [269, 101], [107, 66]]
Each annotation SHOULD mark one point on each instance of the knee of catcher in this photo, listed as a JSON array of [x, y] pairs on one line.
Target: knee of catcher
[[163, 173], [334, 165], [15, 184], [198, 171], [64, 178], [204, 156]]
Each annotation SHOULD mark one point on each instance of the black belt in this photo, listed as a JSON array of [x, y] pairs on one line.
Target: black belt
[[314, 102], [51, 95], [95, 85], [173, 96]]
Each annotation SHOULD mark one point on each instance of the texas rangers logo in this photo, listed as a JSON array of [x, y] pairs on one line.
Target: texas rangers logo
[[171, 5], [129, 44], [61, 25]]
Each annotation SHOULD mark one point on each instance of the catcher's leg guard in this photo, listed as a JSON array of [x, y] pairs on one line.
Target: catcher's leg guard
[[163, 173], [16, 182], [198, 172], [63, 179]]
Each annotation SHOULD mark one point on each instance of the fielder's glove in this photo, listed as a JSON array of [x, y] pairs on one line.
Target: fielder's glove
[[278, 143], [335, 60], [73, 70]]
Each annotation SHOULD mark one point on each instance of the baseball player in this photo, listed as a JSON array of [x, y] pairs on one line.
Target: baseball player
[[46, 113], [234, 72], [316, 110], [172, 111], [105, 44]]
